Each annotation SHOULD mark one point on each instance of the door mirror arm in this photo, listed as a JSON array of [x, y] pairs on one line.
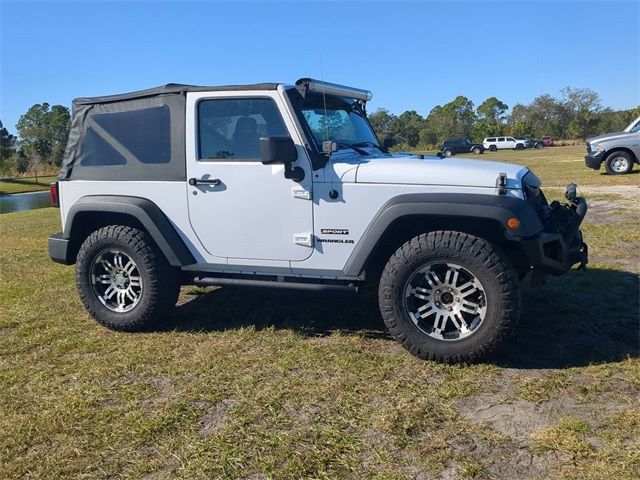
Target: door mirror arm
[[293, 173]]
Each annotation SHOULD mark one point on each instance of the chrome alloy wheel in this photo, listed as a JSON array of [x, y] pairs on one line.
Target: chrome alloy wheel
[[445, 301], [619, 164], [116, 280]]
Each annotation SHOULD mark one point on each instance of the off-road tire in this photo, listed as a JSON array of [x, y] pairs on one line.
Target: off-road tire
[[160, 281], [493, 148], [615, 156], [496, 274]]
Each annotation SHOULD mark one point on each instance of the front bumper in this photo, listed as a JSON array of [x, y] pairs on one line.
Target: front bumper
[[594, 159], [560, 245], [59, 249]]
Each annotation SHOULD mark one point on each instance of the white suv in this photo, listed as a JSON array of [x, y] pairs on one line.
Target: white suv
[[500, 143], [287, 186]]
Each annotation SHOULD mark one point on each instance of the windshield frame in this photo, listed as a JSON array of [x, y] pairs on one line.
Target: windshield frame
[[296, 102]]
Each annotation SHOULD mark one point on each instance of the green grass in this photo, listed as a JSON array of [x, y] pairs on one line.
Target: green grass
[[24, 185], [558, 166], [255, 384]]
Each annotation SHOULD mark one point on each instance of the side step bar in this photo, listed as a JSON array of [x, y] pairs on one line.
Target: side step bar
[[245, 282]]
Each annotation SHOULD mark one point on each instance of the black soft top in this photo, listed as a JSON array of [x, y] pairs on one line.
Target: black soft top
[[169, 89]]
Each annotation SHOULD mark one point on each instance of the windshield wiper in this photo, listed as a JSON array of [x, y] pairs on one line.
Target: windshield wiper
[[371, 144], [354, 148]]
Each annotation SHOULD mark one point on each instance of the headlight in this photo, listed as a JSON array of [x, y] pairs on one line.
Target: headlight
[[597, 147]]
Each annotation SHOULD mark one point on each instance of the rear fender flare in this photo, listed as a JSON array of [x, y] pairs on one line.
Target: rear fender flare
[[144, 211]]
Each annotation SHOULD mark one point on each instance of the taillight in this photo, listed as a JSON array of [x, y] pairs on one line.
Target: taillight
[[53, 192]]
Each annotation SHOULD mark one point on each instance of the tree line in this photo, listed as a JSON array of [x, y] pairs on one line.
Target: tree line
[[42, 137], [576, 114]]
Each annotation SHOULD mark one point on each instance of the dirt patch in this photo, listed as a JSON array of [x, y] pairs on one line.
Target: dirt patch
[[625, 191], [216, 418], [517, 420], [603, 211], [165, 473]]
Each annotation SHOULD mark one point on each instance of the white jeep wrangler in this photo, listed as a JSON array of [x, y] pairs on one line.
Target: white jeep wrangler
[[287, 186]]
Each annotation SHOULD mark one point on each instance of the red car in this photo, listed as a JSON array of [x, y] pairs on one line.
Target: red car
[[548, 141]]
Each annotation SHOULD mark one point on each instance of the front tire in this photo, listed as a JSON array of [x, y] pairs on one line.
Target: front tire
[[477, 151], [450, 297], [493, 148], [619, 163], [448, 153], [124, 281], [519, 146]]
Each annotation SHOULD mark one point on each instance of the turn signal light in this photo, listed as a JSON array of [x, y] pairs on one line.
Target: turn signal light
[[513, 223]]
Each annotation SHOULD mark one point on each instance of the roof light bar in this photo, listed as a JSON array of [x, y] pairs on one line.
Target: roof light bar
[[334, 89]]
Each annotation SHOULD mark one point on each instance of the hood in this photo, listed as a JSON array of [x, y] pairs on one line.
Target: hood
[[608, 136], [405, 169]]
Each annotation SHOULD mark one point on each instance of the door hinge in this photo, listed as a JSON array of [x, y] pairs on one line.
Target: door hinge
[[300, 192], [305, 239]]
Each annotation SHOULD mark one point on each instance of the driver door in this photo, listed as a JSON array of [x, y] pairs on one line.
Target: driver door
[[240, 208]]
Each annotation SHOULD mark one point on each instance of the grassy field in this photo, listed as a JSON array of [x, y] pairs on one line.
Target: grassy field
[[253, 384], [26, 184]]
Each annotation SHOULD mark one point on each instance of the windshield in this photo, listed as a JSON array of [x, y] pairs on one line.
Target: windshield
[[342, 121], [634, 128]]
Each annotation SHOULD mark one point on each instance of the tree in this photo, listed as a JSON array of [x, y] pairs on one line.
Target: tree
[[7, 150], [383, 123], [583, 104], [44, 130], [492, 110], [7, 143], [407, 128], [545, 115], [491, 119], [451, 120]]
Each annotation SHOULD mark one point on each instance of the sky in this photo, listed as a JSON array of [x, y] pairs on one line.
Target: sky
[[412, 55]]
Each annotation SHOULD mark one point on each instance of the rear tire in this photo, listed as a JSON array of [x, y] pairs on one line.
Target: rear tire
[[448, 153], [124, 281], [477, 151], [469, 333], [493, 148], [619, 163]]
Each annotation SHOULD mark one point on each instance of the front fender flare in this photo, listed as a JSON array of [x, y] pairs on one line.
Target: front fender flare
[[491, 207]]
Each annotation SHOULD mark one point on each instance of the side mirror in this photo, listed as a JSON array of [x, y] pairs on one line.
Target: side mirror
[[281, 150], [277, 150]]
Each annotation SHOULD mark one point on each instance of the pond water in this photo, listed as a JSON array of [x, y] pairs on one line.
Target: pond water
[[24, 201]]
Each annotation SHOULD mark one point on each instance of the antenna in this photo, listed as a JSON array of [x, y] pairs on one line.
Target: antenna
[[333, 193], [324, 101]]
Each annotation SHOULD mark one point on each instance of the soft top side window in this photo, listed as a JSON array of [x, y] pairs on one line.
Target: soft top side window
[[230, 128]]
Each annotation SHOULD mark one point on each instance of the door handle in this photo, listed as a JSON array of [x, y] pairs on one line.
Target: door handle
[[204, 181]]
